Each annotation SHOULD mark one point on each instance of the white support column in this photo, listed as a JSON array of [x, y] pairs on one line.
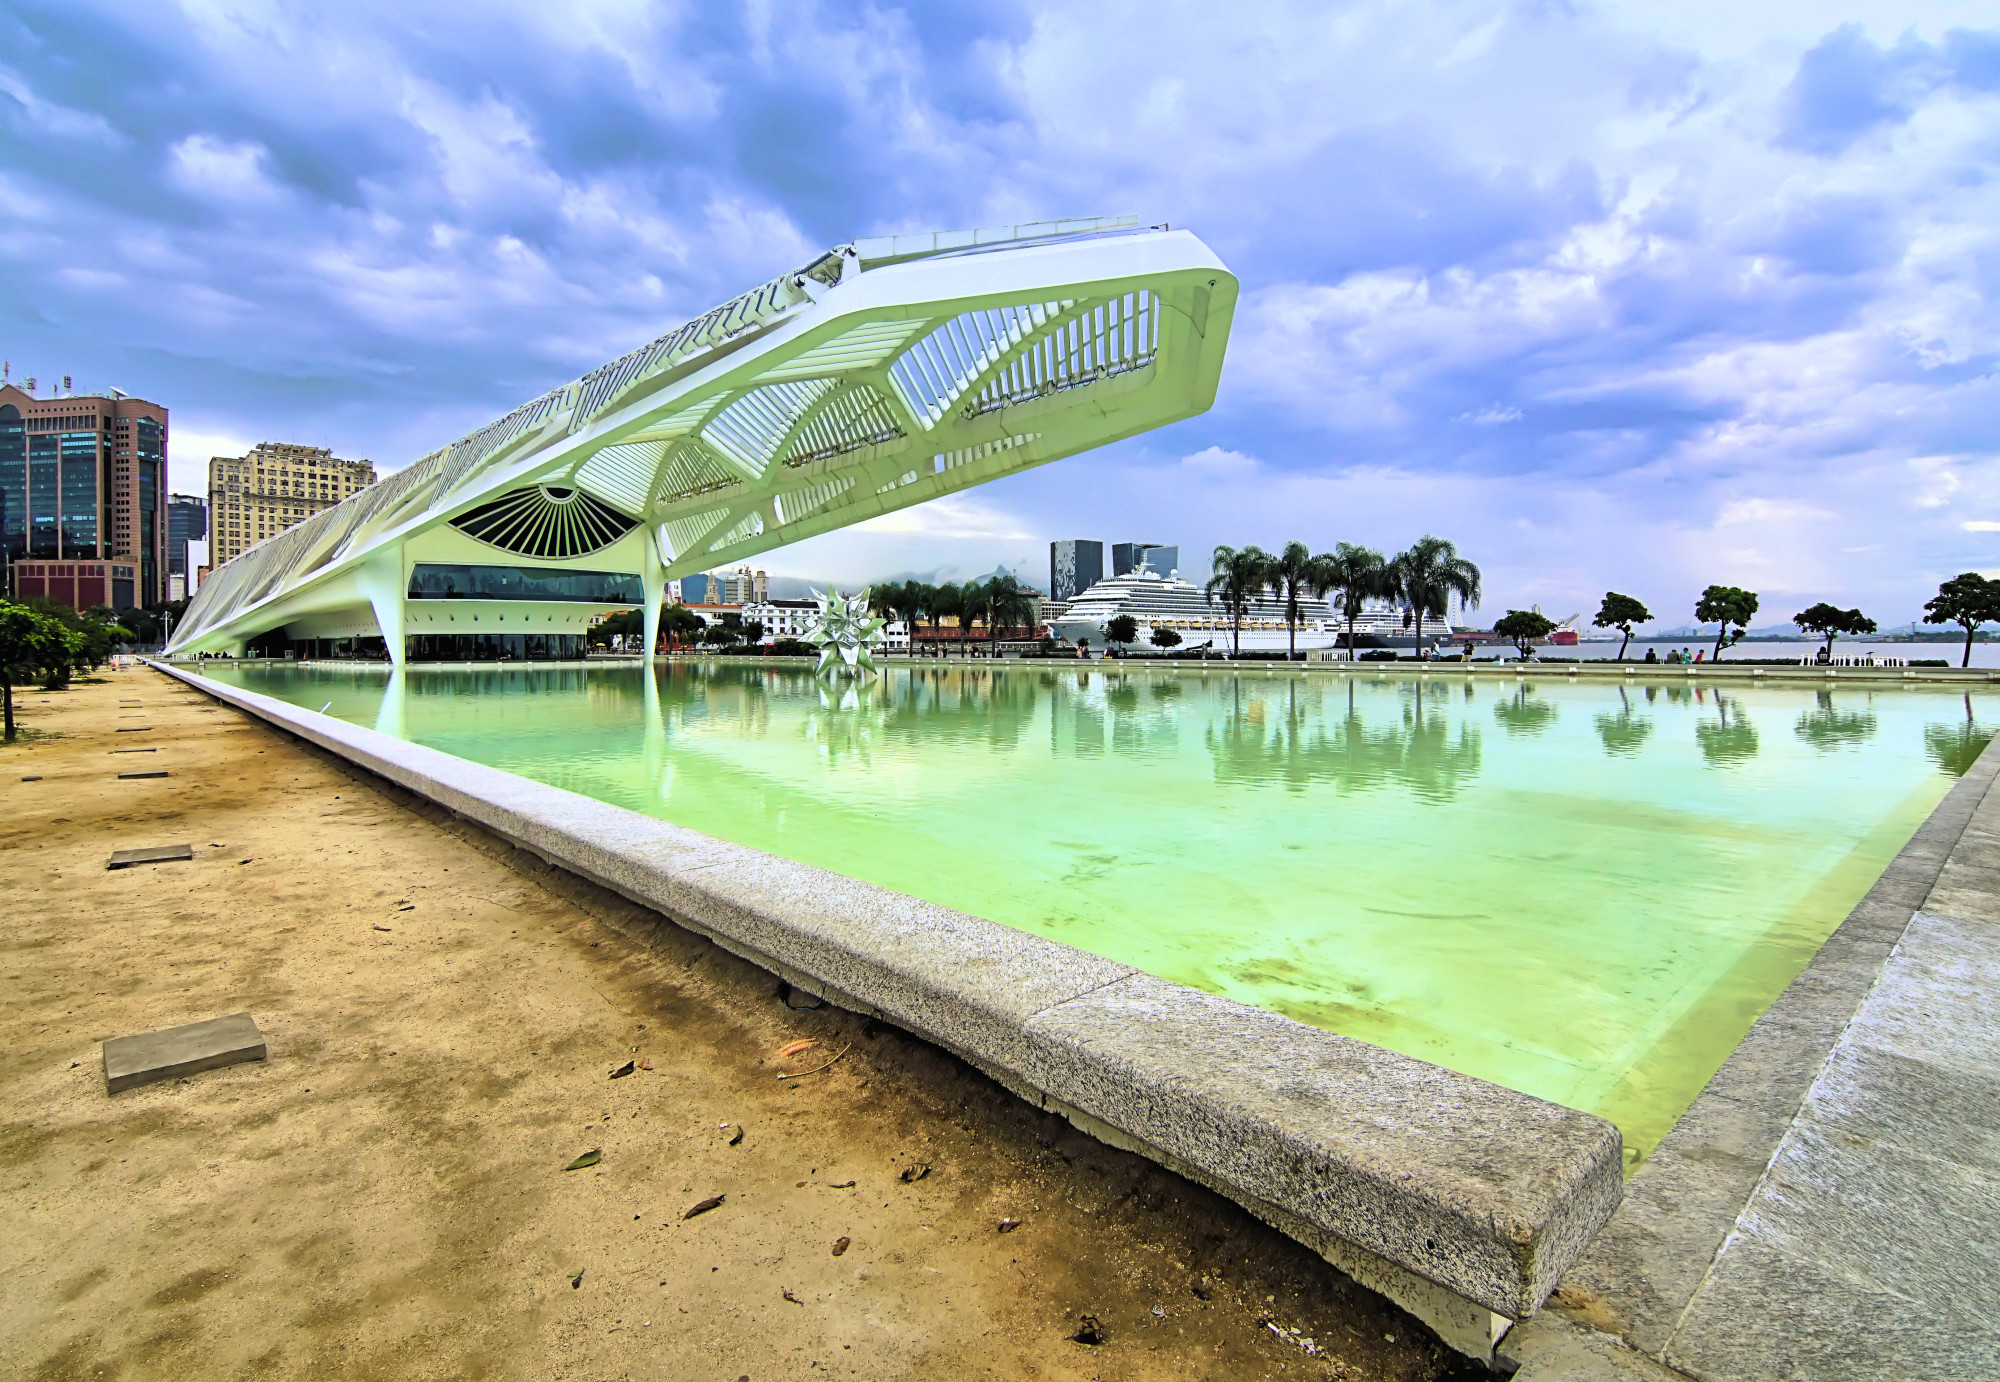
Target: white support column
[[653, 578], [381, 580]]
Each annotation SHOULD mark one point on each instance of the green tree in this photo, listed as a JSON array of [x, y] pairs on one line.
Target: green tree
[[1238, 576], [945, 602], [1291, 575], [1000, 602], [1967, 600], [1829, 620], [1163, 638], [913, 597], [680, 624], [32, 647], [1621, 612], [1353, 575], [971, 604], [1428, 576], [1524, 626], [1121, 630], [1730, 607]]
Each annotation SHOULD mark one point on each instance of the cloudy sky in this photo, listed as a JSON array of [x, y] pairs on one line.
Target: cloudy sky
[[1635, 296]]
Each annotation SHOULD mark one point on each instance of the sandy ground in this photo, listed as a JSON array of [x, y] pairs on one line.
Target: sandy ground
[[385, 1197]]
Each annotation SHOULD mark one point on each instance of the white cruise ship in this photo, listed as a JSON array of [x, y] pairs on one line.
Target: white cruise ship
[[1155, 601]]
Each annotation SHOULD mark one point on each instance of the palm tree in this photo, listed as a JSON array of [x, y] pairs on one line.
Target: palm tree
[[1003, 602], [970, 599], [1352, 574], [911, 599], [1426, 577], [1291, 575], [946, 600], [1239, 576]]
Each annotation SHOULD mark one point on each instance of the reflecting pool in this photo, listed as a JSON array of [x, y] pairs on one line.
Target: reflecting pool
[[1587, 892]]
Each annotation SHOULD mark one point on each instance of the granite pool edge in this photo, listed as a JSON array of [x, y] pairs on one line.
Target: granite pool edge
[[1637, 1280], [1436, 1188]]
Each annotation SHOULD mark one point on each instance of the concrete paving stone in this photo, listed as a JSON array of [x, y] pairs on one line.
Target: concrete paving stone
[[1921, 1226], [1547, 1349], [152, 854], [1481, 1189], [1913, 1105], [1966, 897], [1767, 1316], [1677, 1211], [1935, 999], [165, 1055]]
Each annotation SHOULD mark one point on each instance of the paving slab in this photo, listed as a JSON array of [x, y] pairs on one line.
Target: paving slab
[[154, 1056], [151, 854]]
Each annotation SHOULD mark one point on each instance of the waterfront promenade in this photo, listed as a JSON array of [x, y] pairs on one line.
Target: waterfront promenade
[[384, 1198]]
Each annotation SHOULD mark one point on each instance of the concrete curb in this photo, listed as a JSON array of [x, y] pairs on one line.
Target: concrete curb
[[1410, 1176]]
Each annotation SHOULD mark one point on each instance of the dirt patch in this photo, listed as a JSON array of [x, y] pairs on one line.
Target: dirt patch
[[385, 1196]]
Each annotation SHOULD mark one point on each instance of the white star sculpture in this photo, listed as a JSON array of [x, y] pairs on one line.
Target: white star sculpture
[[844, 631]]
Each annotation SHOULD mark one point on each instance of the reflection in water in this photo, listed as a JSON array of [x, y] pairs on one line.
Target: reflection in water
[[1956, 747], [1521, 713], [1296, 745], [1623, 732], [1587, 895], [1827, 728], [1731, 737]]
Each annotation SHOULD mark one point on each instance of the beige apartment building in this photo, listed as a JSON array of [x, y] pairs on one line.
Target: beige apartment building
[[260, 495]]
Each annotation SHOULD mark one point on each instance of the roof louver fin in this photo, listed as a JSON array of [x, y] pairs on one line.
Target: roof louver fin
[[545, 521]]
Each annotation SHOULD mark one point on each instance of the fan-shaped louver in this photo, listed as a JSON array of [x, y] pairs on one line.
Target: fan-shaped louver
[[544, 521]]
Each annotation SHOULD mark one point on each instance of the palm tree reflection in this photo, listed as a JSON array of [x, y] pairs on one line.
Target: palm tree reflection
[[1282, 737]]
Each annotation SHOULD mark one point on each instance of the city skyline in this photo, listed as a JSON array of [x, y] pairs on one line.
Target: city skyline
[[1640, 300]]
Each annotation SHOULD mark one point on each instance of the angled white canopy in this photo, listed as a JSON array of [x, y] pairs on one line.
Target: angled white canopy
[[887, 372]]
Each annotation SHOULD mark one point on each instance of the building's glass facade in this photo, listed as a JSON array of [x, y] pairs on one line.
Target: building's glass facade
[[187, 521], [78, 455], [1075, 565], [13, 484], [44, 500], [450, 581], [149, 451]]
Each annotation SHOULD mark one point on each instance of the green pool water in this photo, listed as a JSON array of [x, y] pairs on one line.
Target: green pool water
[[1585, 892]]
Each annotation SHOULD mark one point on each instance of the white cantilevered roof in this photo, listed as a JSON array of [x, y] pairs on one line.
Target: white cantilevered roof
[[887, 372]]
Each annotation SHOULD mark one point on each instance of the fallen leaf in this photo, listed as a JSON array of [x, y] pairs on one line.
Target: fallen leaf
[[793, 1048], [736, 1136], [576, 1279], [589, 1158], [839, 1246], [382, 928], [915, 1172], [1009, 1225], [792, 1298], [1089, 1331], [622, 1071], [712, 1202], [843, 1185]]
